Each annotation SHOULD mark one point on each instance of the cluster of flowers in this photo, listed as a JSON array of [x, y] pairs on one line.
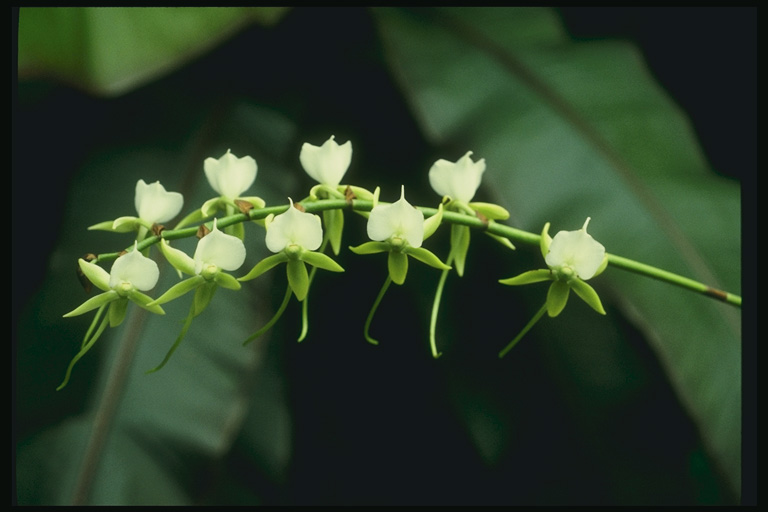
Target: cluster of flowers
[[297, 238]]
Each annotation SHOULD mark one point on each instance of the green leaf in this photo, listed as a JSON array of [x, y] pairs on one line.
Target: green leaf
[[581, 129], [112, 50]]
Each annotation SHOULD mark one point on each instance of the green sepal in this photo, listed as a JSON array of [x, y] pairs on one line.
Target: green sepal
[[193, 218], [490, 210], [298, 279], [144, 301], [120, 225], [431, 224], [203, 296], [371, 248], [237, 230], [397, 263], [227, 281], [255, 201], [532, 276], [503, 241], [459, 246], [360, 193], [602, 266], [427, 256], [177, 258], [116, 312], [93, 303], [557, 297], [95, 274], [177, 290], [545, 240], [320, 260], [264, 265], [211, 206], [588, 295], [334, 226]]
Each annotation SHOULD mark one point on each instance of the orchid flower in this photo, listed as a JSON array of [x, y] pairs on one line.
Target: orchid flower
[[399, 229], [230, 177], [154, 205], [327, 165], [294, 236], [215, 253], [573, 257], [131, 274]]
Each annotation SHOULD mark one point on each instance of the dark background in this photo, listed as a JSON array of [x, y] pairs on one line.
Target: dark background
[[353, 446]]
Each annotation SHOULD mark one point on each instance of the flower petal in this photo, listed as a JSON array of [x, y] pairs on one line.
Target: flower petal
[[458, 180], [328, 163], [230, 176], [294, 227], [155, 204], [216, 248], [134, 268], [577, 250], [397, 220]]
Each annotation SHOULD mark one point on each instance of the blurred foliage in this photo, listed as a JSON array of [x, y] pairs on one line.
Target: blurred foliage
[[639, 407]]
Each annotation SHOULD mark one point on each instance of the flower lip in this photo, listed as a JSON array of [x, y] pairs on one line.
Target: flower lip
[[328, 163], [458, 180], [220, 249], [397, 220], [577, 252], [294, 228], [229, 175], [156, 205], [135, 270]]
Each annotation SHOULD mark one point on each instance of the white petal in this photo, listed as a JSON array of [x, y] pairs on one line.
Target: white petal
[[328, 163], [294, 227], [217, 248], [577, 250], [230, 176], [155, 204], [398, 219], [136, 269], [459, 180]]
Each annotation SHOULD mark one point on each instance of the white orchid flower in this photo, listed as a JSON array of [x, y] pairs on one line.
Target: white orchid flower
[[229, 175], [328, 163], [154, 204], [397, 222], [458, 180], [294, 236], [294, 228], [130, 273], [218, 251], [575, 253]]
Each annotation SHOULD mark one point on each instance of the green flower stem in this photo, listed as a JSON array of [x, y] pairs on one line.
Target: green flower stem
[[492, 227], [527, 328], [669, 277], [274, 319], [436, 307], [304, 316], [373, 311]]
